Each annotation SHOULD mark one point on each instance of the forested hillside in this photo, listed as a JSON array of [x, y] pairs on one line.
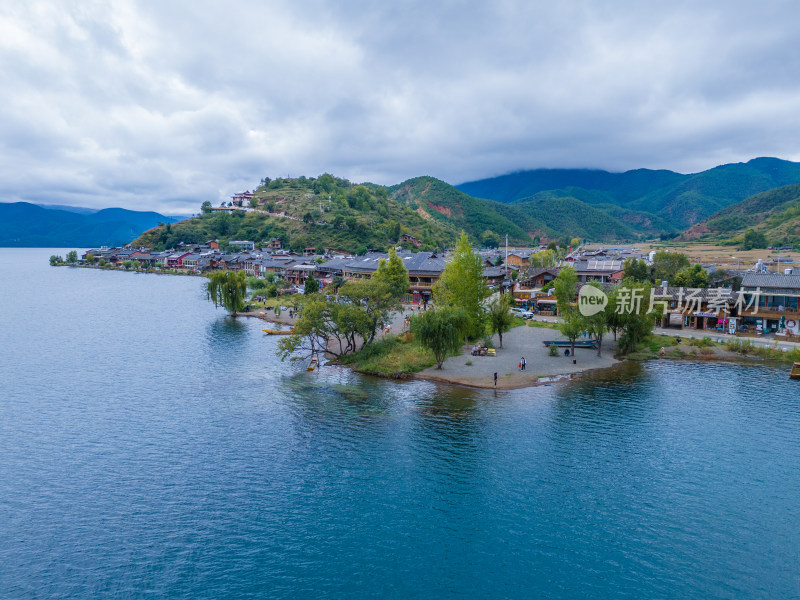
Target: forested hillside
[[673, 200], [325, 213], [439, 201], [775, 214]]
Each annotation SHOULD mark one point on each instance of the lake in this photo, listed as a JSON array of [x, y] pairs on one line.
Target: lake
[[151, 446]]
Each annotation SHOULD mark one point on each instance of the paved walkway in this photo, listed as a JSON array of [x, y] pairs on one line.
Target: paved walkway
[[520, 341]]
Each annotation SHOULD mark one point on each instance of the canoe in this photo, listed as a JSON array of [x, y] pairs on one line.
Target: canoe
[[313, 364], [567, 344], [795, 372], [278, 331]]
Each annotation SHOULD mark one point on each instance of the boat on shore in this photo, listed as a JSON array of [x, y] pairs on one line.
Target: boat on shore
[[313, 363], [568, 344], [795, 372], [278, 331]]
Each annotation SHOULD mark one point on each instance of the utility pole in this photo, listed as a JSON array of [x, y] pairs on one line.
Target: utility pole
[[506, 256]]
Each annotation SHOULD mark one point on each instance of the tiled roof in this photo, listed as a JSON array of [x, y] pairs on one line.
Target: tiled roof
[[771, 280]]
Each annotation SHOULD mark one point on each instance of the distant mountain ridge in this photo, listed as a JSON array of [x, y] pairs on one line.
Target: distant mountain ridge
[[546, 216], [775, 213], [672, 199], [28, 225]]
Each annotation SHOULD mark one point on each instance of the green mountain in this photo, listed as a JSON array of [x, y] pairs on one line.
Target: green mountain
[[325, 213], [573, 218], [438, 201], [664, 198], [775, 213], [28, 225], [545, 216]]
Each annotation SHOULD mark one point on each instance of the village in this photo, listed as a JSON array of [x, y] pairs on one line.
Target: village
[[758, 300]]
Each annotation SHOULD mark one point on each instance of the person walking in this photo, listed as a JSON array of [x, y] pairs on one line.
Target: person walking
[[523, 363]]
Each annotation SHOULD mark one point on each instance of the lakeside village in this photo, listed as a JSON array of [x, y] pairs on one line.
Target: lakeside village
[[747, 302]]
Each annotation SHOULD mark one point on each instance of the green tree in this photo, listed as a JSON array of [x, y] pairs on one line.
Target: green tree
[[574, 243], [754, 239], [127, 264], [91, 259], [228, 289], [636, 269], [499, 316], [375, 299], [552, 246], [667, 264], [394, 231], [490, 239], [694, 276], [462, 286], [636, 322], [222, 223], [394, 274], [55, 260], [311, 285], [598, 323], [72, 257], [337, 282], [571, 322], [253, 202], [545, 258], [205, 207], [441, 331]]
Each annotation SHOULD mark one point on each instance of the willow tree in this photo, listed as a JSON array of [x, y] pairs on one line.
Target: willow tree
[[463, 287], [228, 289], [440, 331]]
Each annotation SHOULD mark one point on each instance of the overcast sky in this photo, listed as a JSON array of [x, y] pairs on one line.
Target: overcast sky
[[164, 104]]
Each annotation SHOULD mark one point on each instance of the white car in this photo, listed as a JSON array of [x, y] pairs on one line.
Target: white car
[[521, 312]]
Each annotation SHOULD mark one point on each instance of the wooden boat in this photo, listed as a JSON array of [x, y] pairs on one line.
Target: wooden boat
[[313, 364], [567, 344], [278, 331], [795, 372]]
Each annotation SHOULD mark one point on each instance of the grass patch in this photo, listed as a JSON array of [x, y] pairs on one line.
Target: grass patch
[[542, 324], [748, 348], [391, 357], [704, 342]]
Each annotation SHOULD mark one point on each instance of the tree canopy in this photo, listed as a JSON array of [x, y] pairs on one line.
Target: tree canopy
[[500, 319], [462, 285], [667, 264], [441, 331], [394, 274], [228, 289]]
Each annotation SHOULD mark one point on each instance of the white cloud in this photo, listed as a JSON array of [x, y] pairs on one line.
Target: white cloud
[[163, 105]]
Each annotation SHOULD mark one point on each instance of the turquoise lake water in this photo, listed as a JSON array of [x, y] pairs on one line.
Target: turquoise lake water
[[151, 447]]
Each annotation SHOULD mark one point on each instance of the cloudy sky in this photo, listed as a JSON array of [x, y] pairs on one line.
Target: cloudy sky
[[164, 104]]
